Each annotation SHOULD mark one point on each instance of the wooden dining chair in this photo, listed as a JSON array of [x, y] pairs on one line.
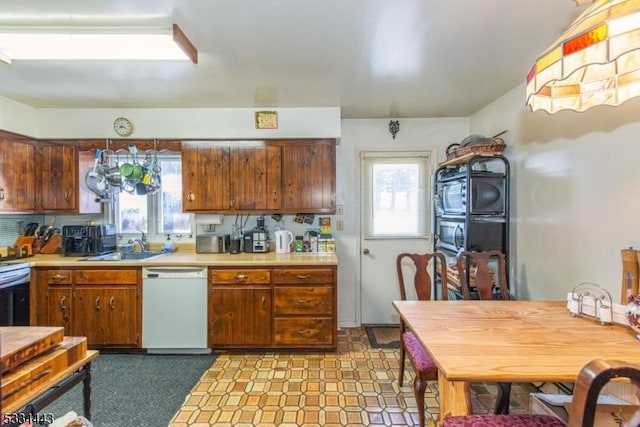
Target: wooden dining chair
[[592, 377], [476, 274], [423, 366]]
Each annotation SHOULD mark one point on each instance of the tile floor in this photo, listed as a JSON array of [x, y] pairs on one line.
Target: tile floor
[[355, 386]]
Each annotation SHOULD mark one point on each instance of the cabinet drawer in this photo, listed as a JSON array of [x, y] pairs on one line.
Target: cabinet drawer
[[106, 277], [298, 300], [303, 331], [303, 275], [62, 277], [235, 277]]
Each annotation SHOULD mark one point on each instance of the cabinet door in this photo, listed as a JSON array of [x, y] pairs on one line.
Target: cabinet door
[[17, 176], [308, 172], [58, 182], [89, 318], [59, 307], [122, 315], [240, 316], [205, 177], [255, 178]]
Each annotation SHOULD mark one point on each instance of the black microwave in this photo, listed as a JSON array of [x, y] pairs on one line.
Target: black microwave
[[485, 195], [455, 235]]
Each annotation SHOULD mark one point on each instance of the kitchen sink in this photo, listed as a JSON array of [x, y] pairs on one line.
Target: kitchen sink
[[125, 256]]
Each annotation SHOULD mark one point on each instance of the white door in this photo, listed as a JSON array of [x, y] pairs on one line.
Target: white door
[[395, 203]]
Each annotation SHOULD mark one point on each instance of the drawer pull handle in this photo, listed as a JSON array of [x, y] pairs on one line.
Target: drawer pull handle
[[112, 303], [58, 277], [98, 308], [240, 276], [303, 276], [190, 196], [62, 305], [303, 301], [303, 331]]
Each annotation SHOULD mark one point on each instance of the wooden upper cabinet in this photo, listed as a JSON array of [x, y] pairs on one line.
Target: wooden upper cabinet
[[288, 176], [309, 176], [17, 176], [223, 177], [205, 177], [58, 178], [255, 178]]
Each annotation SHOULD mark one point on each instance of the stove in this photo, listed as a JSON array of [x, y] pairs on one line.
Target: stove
[[14, 293]]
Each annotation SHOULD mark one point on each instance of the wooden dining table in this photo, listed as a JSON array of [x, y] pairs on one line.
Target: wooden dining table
[[509, 341]]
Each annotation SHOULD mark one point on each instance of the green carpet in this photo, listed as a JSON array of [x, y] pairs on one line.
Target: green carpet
[[134, 389]]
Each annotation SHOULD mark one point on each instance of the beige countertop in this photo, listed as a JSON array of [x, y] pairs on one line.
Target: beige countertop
[[189, 258]]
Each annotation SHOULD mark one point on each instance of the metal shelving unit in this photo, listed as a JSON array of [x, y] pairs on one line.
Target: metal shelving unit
[[471, 206]]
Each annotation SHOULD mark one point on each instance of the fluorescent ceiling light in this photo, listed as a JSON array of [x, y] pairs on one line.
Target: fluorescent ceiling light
[[95, 43]]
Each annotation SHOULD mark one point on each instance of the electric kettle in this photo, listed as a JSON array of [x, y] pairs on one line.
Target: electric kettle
[[284, 238]]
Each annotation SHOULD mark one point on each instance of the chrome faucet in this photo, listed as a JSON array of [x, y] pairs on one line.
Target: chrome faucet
[[142, 241]]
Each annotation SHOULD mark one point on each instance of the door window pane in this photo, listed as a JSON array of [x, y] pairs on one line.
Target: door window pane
[[395, 195]]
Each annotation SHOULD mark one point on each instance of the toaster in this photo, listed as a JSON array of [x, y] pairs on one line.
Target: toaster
[[212, 243]]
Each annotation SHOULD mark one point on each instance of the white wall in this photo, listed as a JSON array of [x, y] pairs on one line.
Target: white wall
[[167, 123], [373, 135], [574, 178], [18, 118]]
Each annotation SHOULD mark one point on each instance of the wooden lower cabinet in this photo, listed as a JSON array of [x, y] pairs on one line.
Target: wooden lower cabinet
[[304, 307], [273, 308], [102, 305], [239, 307], [59, 307]]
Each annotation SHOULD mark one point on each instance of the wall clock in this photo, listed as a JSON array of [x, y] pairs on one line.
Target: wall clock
[[123, 126]]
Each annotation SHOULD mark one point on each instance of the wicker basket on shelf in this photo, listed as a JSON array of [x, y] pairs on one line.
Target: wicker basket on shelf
[[492, 146]]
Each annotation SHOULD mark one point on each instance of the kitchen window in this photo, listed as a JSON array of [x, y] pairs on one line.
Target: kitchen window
[[158, 214]]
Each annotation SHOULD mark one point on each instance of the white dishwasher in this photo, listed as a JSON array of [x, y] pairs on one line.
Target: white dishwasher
[[174, 309]]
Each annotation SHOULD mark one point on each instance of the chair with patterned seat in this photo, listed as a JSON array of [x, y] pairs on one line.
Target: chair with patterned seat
[[423, 366], [582, 413]]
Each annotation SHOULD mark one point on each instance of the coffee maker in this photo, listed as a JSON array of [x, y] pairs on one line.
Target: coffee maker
[[256, 240]]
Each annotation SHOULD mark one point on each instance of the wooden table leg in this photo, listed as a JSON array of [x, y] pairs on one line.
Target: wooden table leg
[[454, 397]]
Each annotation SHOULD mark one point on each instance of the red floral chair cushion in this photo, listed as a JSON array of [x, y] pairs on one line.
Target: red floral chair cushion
[[417, 353], [503, 421]]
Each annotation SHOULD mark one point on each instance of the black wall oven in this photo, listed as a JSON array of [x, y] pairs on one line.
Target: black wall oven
[[14, 294], [453, 234]]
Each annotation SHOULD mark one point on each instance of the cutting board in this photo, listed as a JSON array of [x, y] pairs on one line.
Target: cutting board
[[22, 343], [39, 373]]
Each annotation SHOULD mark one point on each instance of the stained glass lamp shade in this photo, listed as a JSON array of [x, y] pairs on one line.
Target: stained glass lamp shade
[[595, 62]]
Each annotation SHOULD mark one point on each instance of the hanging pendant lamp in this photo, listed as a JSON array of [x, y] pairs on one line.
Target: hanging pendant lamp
[[595, 62]]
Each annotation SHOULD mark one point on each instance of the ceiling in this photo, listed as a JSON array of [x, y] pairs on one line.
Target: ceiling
[[372, 58]]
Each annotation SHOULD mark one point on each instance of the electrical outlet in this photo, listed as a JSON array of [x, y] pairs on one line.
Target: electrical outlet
[[340, 225], [339, 209]]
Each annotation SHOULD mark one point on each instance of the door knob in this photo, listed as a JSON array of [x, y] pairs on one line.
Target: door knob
[[365, 251]]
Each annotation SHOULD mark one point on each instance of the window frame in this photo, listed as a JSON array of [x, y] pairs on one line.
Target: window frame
[[153, 215], [425, 218]]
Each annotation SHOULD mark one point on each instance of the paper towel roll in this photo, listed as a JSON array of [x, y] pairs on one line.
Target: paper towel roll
[[214, 219]]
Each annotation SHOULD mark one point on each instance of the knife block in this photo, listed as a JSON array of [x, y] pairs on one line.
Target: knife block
[[23, 246]]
